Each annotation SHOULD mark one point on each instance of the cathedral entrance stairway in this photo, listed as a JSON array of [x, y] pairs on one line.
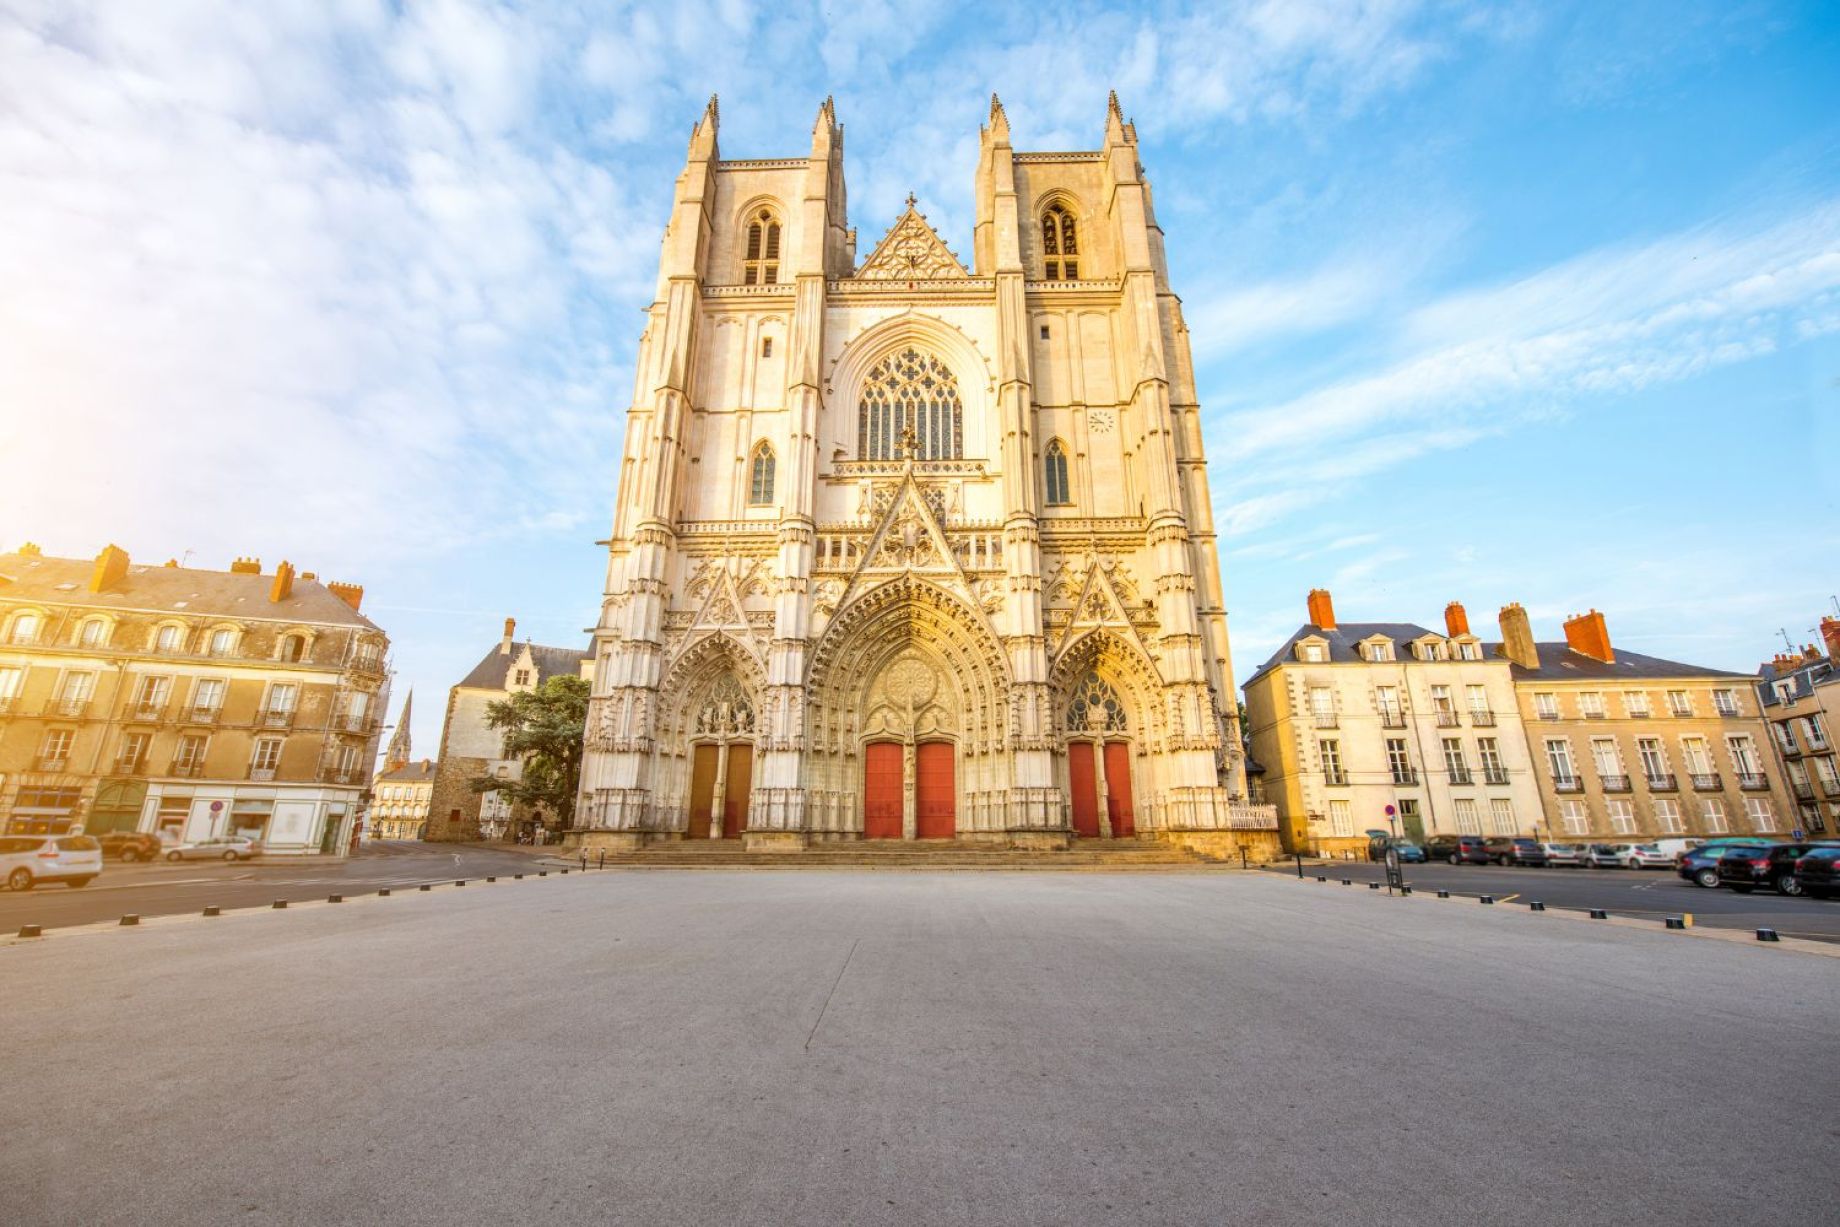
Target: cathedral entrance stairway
[[1092, 854]]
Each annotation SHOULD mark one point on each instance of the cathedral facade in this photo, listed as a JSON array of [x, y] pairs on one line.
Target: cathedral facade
[[907, 548]]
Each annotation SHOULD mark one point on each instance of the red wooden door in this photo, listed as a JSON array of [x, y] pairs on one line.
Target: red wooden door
[[883, 791], [1085, 787], [935, 792], [702, 791], [740, 787], [1118, 789]]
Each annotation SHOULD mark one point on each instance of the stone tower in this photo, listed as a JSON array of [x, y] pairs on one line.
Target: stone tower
[[396, 756], [909, 549]]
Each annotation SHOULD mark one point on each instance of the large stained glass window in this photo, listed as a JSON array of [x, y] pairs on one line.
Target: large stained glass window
[[910, 390]]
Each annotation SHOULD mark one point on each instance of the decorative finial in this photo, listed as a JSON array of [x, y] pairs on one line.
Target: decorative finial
[[910, 440], [910, 200]]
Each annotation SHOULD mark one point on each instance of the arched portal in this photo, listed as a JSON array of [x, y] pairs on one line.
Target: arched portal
[[1104, 695], [908, 692], [707, 727]]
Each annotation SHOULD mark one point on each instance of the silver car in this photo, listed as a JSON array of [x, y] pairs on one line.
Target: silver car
[[27, 860], [217, 848], [1566, 854], [1643, 856]]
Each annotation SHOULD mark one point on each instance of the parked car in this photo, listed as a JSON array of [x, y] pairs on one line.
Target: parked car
[[1819, 871], [1409, 852], [221, 847], [1644, 856], [1564, 854], [27, 860], [1745, 869], [1675, 848], [1604, 856], [1701, 865], [130, 845], [1516, 852], [1458, 849]]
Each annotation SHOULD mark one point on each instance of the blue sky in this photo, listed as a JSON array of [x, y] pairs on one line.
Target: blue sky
[[1492, 302]]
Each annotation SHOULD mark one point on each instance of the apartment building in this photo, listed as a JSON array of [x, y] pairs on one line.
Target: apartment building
[[185, 701], [1634, 747], [1800, 694], [1346, 719]]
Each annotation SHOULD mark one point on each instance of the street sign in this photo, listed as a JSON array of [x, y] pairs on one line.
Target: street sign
[[1798, 834], [216, 805], [1390, 811]]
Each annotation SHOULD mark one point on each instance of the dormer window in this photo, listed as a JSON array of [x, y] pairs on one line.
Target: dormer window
[[94, 632], [761, 264], [1468, 650], [1431, 649], [1312, 653], [1060, 245], [1376, 651]]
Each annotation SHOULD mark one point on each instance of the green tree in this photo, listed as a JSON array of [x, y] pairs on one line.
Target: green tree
[[544, 728]]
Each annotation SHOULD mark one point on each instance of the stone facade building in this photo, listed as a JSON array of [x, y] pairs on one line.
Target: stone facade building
[[910, 548], [1347, 719], [401, 791], [471, 749], [186, 702], [1800, 694], [1632, 747]]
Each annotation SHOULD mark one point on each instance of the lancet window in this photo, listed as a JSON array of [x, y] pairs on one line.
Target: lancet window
[[910, 391], [761, 265], [760, 479], [1094, 705], [1060, 245], [1054, 465]]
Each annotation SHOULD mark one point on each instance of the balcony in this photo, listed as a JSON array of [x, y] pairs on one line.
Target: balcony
[[1406, 778], [1753, 781], [1729, 713], [1804, 791], [130, 766], [68, 709], [261, 773], [1447, 719], [45, 763], [1392, 719], [147, 713], [1461, 776], [1546, 715], [1595, 714], [1615, 783], [187, 770], [1817, 742], [1831, 787], [1706, 781], [1323, 720], [204, 715], [335, 775], [1494, 775], [1568, 783], [276, 718], [1336, 779], [1639, 713], [1663, 783], [1482, 719]]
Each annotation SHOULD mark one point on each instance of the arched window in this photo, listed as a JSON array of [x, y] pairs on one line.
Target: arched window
[[1060, 246], [761, 267], [168, 637], [760, 481], [1094, 705], [24, 629], [1055, 466], [94, 632], [910, 391], [293, 647]]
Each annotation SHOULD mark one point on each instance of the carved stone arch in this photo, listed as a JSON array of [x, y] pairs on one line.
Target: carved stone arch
[[744, 213], [1123, 666], [697, 673], [976, 377]]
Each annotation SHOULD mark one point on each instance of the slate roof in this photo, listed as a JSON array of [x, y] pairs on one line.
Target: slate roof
[[409, 773], [1804, 677], [41, 579], [491, 672], [1343, 638]]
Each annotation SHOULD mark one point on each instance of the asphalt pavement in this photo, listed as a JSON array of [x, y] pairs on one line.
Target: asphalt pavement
[[930, 1048], [1651, 894]]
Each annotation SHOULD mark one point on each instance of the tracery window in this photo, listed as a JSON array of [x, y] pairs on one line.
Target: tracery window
[[760, 481], [1094, 705], [910, 390], [1060, 245], [761, 265], [1055, 466], [727, 709]]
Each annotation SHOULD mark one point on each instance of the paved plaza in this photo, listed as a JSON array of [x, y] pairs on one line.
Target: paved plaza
[[861, 1048]]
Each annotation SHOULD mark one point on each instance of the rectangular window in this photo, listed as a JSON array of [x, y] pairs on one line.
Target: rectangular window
[[77, 687], [1635, 702], [281, 696], [1743, 755], [1469, 651], [1605, 758], [1622, 816], [268, 754], [188, 759], [1399, 760], [1546, 706], [152, 694], [1679, 703], [1312, 653], [1387, 698], [1654, 765], [1322, 707], [1341, 818], [1440, 700], [1694, 753], [1559, 759], [1785, 737], [1757, 809], [1431, 650], [1331, 752], [1712, 815], [1478, 699], [133, 752], [1455, 762], [208, 696], [1591, 704], [57, 743], [1815, 732], [1575, 816], [1501, 815], [1667, 816], [1830, 775], [1725, 702], [1469, 821], [12, 681]]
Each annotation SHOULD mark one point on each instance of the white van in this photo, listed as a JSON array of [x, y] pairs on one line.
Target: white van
[[27, 860], [1675, 848]]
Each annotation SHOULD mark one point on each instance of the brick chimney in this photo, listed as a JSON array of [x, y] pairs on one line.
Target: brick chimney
[[246, 566], [283, 587], [1456, 621], [351, 594], [504, 645], [1517, 636], [1830, 634], [111, 568], [1322, 610], [1586, 634], [30, 550]]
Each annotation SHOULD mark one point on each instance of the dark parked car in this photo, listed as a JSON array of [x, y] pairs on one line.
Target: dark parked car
[[1517, 852], [1701, 865], [130, 845], [1819, 872], [1458, 849], [1745, 869]]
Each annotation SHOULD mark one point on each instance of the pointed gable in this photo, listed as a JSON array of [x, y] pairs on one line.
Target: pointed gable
[[911, 251]]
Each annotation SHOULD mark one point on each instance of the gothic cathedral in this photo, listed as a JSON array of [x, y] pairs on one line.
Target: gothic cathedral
[[910, 550]]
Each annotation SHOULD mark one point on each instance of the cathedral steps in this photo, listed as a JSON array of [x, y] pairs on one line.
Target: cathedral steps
[[1094, 855]]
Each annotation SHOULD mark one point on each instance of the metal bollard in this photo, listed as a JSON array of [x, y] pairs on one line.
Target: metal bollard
[[335, 898], [1443, 894], [130, 919], [213, 910], [517, 877], [603, 860], [31, 931], [1676, 922], [1767, 935], [1598, 913], [459, 881], [1489, 899], [280, 903], [544, 873], [383, 893], [491, 879], [1347, 881], [1405, 890], [1536, 906], [1373, 886], [1299, 856], [426, 886], [1321, 878]]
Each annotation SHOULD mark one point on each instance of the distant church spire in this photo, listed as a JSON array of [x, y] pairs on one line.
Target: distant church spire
[[397, 755]]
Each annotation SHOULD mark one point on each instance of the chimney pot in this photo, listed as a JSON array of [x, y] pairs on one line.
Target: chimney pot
[[111, 568], [1587, 635], [1830, 634], [1322, 609], [351, 594], [283, 587], [1517, 636], [246, 566], [504, 645], [30, 550], [1456, 620]]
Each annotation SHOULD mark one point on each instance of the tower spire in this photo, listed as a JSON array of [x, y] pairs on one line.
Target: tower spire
[[397, 756]]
